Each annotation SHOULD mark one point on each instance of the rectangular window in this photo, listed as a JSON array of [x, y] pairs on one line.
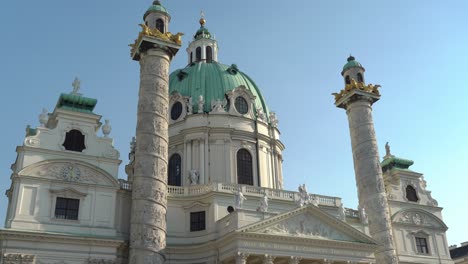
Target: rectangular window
[[197, 221], [421, 245], [66, 208]]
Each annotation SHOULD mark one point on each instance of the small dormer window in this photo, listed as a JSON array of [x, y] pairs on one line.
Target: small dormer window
[[74, 141], [241, 105], [160, 25], [347, 79], [209, 54], [198, 54], [359, 77], [411, 194]]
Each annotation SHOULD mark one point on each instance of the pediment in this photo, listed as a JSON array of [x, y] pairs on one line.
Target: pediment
[[418, 218], [309, 222], [70, 171]]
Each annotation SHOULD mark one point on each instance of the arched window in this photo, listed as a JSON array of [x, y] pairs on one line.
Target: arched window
[[244, 167], [74, 141], [198, 54], [411, 194], [191, 57], [160, 25], [347, 79], [209, 54], [359, 77], [175, 171]]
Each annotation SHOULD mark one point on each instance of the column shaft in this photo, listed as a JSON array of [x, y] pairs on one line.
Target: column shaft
[[149, 195], [369, 178], [202, 161]]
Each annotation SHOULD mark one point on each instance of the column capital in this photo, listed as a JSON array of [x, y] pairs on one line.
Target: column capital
[[241, 258], [268, 259], [294, 260]]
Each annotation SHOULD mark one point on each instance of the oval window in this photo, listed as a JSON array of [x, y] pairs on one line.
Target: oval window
[[176, 111], [241, 105]]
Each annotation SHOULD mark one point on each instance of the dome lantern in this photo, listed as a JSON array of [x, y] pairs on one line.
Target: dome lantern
[[157, 17], [203, 48], [353, 70]]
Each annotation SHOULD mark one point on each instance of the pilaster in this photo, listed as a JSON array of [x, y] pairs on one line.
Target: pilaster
[[241, 258]]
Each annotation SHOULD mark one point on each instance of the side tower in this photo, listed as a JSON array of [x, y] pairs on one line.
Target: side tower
[[357, 98], [154, 49]]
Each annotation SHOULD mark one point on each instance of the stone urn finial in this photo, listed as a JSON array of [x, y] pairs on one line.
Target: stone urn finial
[[106, 128], [44, 117]]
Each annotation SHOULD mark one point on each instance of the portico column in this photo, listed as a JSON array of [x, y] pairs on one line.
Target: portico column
[[202, 161], [241, 258]]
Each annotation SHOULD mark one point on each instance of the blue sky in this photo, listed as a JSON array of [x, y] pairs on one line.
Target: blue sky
[[294, 50]]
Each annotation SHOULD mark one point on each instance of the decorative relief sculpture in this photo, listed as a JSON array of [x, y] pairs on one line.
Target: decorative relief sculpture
[[70, 173], [263, 204], [306, 225], [273, 119], [44, 118], [239, 199], [218, 105], [194, 177], [106, 128], [18, 259], [200, 102]]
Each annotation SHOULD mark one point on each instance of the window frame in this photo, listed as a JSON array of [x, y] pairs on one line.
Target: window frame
[[198, 54], [198, 224], [179, 179], [244, 101], [67, 210], [421, 235], [245, 179], [66, 193]]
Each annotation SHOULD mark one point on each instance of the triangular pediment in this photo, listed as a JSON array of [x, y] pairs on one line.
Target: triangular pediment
[[309, 222]]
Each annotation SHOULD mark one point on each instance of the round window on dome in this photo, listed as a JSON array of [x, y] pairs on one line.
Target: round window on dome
[[241, 105], [176, 111]]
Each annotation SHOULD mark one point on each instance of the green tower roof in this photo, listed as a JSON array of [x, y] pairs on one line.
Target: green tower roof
[[394, 162], [352, 62], [212, 80], [76, 102], [202, 33], [156, 7]]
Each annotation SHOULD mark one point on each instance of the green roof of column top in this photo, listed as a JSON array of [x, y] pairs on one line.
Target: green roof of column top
[[352, 62], [76, 103], [156, 7], [212, 81], [202, 33], [395, 162]]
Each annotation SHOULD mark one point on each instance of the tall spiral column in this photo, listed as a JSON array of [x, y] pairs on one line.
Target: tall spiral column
[[357, 99], [149, 190]]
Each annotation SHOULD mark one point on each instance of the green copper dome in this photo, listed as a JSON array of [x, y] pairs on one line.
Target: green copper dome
[[156, 7], [352, 62], [212, 80]]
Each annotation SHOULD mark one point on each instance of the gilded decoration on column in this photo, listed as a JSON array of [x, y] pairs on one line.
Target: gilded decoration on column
[[155, 33], [370, 88]]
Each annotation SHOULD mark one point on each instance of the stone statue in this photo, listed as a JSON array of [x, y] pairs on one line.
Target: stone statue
[[263, 204], [363, 215], [218, 105], [314, 200], [303, 195], [342, 213], [240, 198], [76, 86], [106, 128], [201, 102], [260, 114], [44, 117], [194, 176], [189, 106], [273, 119], [387, 150]]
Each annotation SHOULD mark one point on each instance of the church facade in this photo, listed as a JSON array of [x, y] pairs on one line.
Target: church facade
[[204, 178]]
